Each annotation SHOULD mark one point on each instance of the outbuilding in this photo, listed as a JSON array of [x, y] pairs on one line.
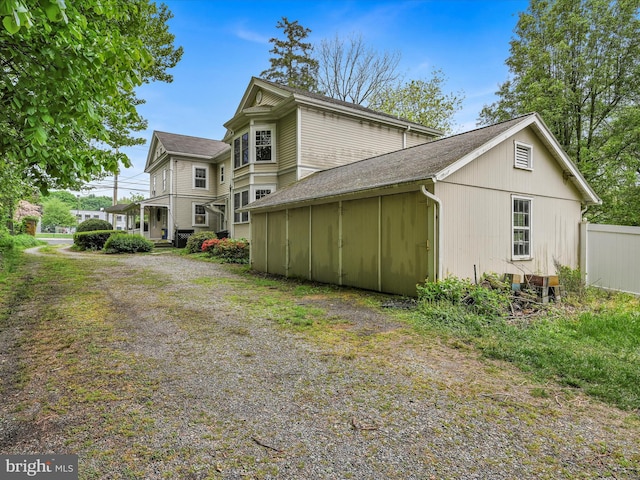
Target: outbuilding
[[503, 198]]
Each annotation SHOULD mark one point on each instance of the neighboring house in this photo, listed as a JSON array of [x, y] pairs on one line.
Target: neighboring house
[[277, 136], [504, 198]]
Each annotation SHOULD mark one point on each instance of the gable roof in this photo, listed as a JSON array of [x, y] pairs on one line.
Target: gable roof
[[186, 145], [435, 160], [291, 95]]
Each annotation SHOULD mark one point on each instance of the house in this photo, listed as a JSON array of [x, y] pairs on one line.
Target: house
[[277, 136], [186, 176], [503, 198]]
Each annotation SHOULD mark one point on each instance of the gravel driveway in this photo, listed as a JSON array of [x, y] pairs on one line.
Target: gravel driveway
[[223, 390]]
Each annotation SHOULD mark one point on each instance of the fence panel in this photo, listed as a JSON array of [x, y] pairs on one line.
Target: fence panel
[[611, 256]]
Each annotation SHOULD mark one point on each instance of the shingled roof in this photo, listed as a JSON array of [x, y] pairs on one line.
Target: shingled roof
[[188, 145], [435, 159]]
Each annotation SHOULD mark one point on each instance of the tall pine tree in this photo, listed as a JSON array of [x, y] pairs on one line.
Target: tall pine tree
[[292, 63]]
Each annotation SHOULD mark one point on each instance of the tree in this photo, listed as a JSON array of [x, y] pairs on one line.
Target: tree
[[577, 63], [421, 101], [55, 213], [68, 73], [349, 71], [292, 63]]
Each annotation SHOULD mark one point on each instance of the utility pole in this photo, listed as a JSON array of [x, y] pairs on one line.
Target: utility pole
[[114, 221]]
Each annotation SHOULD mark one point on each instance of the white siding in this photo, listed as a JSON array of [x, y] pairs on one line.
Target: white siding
[[477, 213], [612, 259]]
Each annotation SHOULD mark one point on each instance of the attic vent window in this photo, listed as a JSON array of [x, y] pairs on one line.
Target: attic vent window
[[523, 156]]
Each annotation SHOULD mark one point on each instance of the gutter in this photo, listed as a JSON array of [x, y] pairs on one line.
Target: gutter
[[438, 224]]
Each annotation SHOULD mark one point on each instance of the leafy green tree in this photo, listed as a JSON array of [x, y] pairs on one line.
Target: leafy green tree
[[56, 213], [71, 200], [68, 73], [292, 63], [92, 202], [421, 101], [577, 63]]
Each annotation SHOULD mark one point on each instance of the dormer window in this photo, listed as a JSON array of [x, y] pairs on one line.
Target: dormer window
[[523, 156]]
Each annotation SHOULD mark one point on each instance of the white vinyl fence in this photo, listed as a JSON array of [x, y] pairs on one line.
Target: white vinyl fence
[[610, 256]]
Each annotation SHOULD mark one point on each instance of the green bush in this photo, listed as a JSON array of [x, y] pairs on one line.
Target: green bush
[[94, 224], [483, 300], [194, 242], [92, 240], [124, 243], [227, 249]]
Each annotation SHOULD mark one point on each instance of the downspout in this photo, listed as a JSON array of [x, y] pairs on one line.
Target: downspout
[[438, 202], [404, 136]]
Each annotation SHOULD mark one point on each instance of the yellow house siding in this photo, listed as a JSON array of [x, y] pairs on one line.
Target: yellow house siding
[[329, 140], [286, 142], [183, 171]]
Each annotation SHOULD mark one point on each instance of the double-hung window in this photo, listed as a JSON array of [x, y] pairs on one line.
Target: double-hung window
[[521, 228], [200, 179], [240, 199], [199, 215]]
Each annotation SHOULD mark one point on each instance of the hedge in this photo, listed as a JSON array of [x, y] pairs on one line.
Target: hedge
[[93, 240]]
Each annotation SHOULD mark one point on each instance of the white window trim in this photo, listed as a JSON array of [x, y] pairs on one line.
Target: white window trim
[[530, 228], [164, 180], [222, 172], [529, 148], [153, 185], [255, 188], [238, 138], [252, 143], [235, 207], [206, 178], [193, 216]]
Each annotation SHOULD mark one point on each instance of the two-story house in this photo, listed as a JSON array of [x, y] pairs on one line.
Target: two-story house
[[280, 134], [277, 136]]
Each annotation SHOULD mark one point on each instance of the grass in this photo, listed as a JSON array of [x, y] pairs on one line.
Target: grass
[[595, 349]]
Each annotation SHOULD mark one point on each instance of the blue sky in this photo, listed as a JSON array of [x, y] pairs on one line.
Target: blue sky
[[227, 42]]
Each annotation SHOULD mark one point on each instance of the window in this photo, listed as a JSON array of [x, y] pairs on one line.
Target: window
[[153, 186], [164, 180], [221, 173], [200, 177], [199, 215], [262, 192], [241, 150], [263, 145], [523, 156], [240, 199], [521, 228]]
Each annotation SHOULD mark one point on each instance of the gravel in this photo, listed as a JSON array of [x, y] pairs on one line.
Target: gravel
[[236, 395]]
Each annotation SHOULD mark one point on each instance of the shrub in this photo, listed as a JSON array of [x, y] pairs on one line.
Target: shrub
[[227, 249], [483, 300], [92, 240], [124, 243], [94, 224], [194, 242]]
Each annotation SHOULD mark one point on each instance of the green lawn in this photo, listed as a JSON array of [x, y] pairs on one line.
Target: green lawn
[[592, 345]]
